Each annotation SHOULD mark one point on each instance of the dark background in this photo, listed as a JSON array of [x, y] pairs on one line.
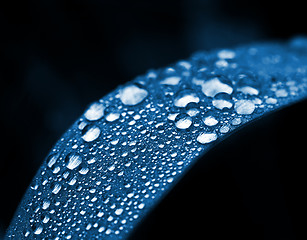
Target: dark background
[[58, 56]]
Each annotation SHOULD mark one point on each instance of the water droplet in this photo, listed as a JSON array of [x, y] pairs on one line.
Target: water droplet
[[271, 100], [204, 138], [38, 229], [73, 161], [90, 133], [183, 121], [184, 97], [46, 204], [52, 159], [213, 86], [141, 206], [281, 93], [94, 112], [210, 121], [222, 101], [247, 83], [56, 187], [244, 107], [84, 170], [226, 54], [132, 95], [192, 109], [119, 211], [173, 80]]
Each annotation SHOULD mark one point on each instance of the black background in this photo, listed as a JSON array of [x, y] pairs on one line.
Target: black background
[[58, 56]]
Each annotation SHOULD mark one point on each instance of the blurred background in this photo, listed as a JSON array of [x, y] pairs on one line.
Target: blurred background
[[58, 56]]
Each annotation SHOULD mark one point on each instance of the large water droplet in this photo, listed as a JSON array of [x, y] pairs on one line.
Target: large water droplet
[[244, 107], [73, 161], [204, 138], [213, 86], [183, 121], [94, 112], [91, 133], [185, 97], [132, 95]]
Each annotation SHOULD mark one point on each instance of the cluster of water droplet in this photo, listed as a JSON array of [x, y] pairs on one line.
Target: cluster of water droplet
[[129, 147]]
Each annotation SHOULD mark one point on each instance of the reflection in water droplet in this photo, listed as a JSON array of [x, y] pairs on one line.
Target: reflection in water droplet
[[213, 86], [91, 133], [183, 121], [94, 112], [132, 95], [244, 107], [204, 138], [184, 97]]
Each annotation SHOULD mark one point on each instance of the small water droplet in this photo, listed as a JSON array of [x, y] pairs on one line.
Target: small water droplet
[[132, 95], [184, 97], [226, 54], [204, 138], [73, 160], [56, 187], [183, 121], [222, 101], [173, 80], [38, 229], [244, 107], [111, 114], [247, 83], [119, 211], [213, 86], [52, 159], [210, 121], [46, 204]]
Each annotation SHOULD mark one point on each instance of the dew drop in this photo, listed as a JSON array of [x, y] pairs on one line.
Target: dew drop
[[222, 101], [52, 159], [183, 121], [184, 97], [204, 138], [132, 95], [38, 230], [226, 54], [73, 161], [94, 112], [56, 187], [244, 107], [210, 121], [173, 80], [119, 211], [213, 86], [91, 133]]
